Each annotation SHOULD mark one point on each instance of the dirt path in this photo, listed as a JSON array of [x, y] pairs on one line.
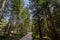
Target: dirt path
[[27, 37]]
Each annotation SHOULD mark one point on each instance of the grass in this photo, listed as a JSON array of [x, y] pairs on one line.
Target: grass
[[17, 36]]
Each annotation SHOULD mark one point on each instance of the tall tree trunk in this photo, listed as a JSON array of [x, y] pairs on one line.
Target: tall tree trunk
[[8, 29], [40, 30], [52, 26], [2, 9]]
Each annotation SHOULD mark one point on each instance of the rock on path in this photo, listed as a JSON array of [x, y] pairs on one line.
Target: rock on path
[[27, 37]]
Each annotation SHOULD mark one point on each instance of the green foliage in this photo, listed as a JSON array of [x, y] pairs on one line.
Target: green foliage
[[41, 1], [17, 36], [16, 5], [2, 25], [22, 26]]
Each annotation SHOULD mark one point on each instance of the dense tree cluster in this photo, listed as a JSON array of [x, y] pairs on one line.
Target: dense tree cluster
[[41, 17]]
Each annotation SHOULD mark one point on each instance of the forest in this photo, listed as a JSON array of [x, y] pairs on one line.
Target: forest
[[29, 19]]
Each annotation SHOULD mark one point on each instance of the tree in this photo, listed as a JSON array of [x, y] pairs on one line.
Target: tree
[[3, 3], [36, 16], [42, 9]]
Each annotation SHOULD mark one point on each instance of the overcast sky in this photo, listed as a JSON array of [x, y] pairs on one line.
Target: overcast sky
[[26, 2]]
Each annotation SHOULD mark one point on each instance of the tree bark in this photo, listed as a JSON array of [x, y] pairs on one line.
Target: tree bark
[[52, 29], [2, 9]]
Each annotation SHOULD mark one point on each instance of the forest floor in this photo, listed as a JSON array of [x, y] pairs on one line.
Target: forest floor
[[27, 37]]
